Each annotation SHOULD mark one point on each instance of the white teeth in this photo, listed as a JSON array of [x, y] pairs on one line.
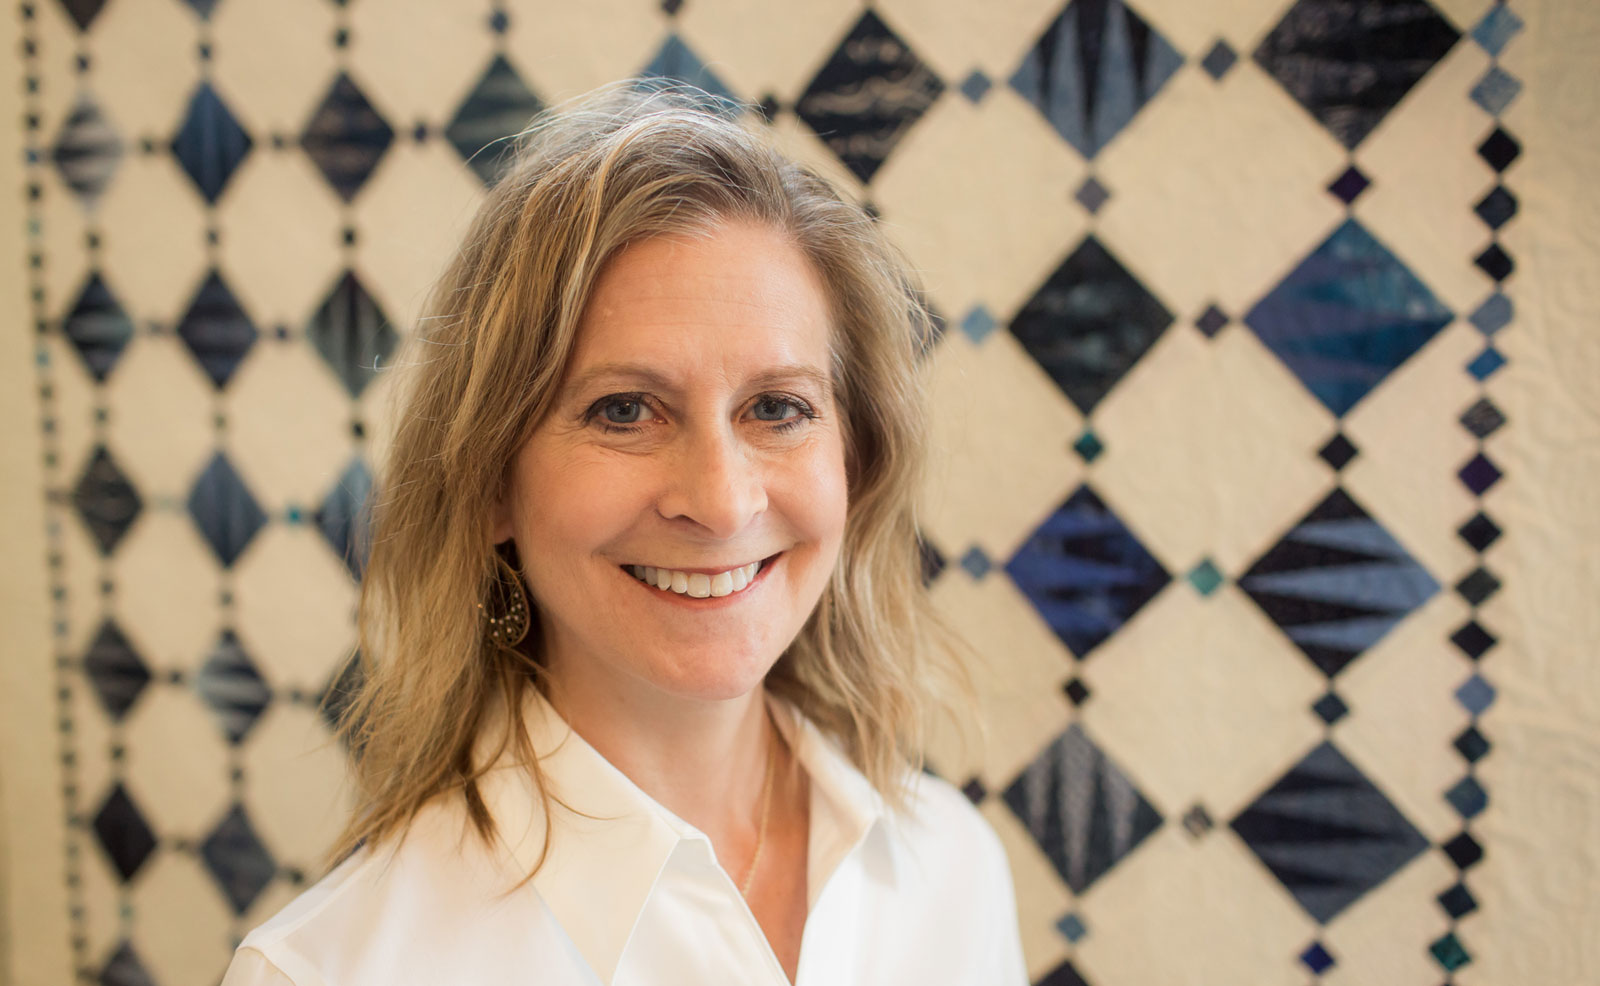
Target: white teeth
[[697, 584]]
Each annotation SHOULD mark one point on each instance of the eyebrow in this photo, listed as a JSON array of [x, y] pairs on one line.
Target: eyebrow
[[660, 381]]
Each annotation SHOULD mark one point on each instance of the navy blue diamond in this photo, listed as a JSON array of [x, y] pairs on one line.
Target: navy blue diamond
[[87, 150], [1081, 809], [1472, 745], [82, 12], [1219, 59], [1094, 68], [237, 860], [1089, 323], [1330, 708], [1316, 958], [1327, 833], [106, 500], [1085, 572], [1063, 975], [1479, 532], [97, 327], [499, 106], [352, 334], [1348, 186], [125, 969], [1457, 901], [872, 89], [1337, 582], [675, 62], [1464, 851], [115, 669], [1349, 64], [1211, 321], [216, 330], [211, 143], [340, 518], [1497, 207], [232, 687], [1495, 262], [1482, 419], [224, 510], [1499, 149], [123, 833], [346, 137], [1347, 316], [1479, 474]]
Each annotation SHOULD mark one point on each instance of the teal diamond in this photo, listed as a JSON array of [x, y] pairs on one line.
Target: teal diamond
[[1088, 446], [1205, 578], [1447, 951]]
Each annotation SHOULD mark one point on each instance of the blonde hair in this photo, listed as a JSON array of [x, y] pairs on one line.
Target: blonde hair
[[873, 663]]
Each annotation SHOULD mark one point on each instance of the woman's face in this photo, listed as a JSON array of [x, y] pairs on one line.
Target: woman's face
[[695, 433]]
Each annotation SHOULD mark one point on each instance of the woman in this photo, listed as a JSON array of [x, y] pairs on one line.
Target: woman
[[648, 657]]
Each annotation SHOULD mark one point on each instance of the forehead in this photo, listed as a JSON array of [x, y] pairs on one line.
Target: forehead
[[740, 297]]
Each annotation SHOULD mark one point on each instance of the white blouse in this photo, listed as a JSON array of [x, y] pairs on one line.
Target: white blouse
[[634, 896]]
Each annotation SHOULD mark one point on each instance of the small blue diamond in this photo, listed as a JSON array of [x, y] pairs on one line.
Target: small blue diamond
[[976, 562], [1495, 91], [1498, 26], [1487, 362], [1475, 695], [1330, 708], [976, 86], [978, 323], [1493, 315], [1219, 60], [1467, 797], [1317, 958], [1071, 928]]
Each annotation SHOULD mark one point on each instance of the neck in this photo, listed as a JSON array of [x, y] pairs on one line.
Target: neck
[[703, 760]]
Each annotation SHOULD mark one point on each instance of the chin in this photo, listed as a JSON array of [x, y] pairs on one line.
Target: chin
[[714, 680]]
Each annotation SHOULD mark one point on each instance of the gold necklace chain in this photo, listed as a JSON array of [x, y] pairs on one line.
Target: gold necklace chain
[[761, 831]]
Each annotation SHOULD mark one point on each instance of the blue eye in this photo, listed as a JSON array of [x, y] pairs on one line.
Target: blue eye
[[775, 405], [623, 412]]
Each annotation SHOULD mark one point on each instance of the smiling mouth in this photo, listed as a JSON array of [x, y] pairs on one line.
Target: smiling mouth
[[700, 585]]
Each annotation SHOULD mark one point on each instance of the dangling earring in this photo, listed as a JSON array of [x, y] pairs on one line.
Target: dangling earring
[[507, 623]]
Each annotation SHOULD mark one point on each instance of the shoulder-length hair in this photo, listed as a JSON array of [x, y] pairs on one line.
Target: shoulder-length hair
[[872, 664]]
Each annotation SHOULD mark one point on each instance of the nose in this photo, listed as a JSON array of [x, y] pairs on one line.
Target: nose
[[714, 481]]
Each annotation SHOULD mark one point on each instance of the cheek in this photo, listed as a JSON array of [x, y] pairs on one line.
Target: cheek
[[818, 492], [569, 506]]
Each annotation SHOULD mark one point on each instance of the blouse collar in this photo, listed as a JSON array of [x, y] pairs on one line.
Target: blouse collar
[[611, 842]]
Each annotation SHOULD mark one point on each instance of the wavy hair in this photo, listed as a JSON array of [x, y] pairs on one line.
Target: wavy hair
[[873, 664]]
